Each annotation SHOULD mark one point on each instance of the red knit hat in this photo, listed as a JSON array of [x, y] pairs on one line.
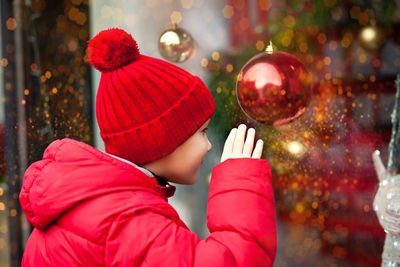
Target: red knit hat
[[145, 107]]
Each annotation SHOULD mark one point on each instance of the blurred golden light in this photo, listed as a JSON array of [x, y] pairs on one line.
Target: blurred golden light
[[299, 207], [3, 228], [176, 17], [260, 45], [11, 24], [72, 45], [151, 3], [296, 148], [303, 47], [347, 39], [362, 57], [368, 34], [13, 212], [376, 62], [33, 67], [328, 76], [4, 62], [81, 18], [48, 74], [229, 68], [286, 40], [227, 11], [327, 60], [309, 58], [333, 45], [215, 56], [204, 62], [289, 21], [371, 37], [73, 13], [366, 208], [187, 3], [372, 78]]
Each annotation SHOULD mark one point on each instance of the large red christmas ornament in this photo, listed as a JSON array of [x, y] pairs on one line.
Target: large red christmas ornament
[[273, 87]]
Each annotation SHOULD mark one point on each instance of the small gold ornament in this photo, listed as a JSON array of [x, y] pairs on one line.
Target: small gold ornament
[[176, 44]]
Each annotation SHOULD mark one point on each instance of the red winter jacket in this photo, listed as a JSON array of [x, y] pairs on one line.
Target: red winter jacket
[[90, 209]]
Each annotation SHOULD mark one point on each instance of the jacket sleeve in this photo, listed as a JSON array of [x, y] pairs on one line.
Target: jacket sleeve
[[241, 220]]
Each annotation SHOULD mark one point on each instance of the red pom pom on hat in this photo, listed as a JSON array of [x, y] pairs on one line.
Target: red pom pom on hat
[[111, 49]]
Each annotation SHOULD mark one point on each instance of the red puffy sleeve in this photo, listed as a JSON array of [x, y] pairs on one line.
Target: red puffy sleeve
[[241, 220]]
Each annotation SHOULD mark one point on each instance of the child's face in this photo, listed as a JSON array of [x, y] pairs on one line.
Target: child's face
[[183, 165]]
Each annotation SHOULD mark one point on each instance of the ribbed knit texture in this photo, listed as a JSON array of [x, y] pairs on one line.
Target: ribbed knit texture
[[147, 108]]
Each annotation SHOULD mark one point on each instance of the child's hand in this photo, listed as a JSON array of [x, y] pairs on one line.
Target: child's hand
[[236, 147]]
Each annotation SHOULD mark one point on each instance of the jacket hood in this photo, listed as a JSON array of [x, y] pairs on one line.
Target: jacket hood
[[71, 172]]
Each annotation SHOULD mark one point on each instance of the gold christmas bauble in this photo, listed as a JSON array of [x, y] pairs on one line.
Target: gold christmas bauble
[[176, 45]]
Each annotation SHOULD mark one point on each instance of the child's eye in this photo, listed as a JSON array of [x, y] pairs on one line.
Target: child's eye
[[205, 129]]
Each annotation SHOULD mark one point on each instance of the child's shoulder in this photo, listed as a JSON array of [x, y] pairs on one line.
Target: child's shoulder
[[93, 218]]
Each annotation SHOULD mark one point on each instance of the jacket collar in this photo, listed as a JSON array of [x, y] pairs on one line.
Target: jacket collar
[[166, 189]]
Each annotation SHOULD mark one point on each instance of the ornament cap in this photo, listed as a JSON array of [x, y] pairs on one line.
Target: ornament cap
[[270, 48]]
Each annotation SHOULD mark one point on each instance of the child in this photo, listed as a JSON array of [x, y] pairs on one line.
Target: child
[[91, 208]]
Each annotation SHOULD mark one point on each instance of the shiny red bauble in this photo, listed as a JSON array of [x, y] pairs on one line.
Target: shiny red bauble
[[274, 88]]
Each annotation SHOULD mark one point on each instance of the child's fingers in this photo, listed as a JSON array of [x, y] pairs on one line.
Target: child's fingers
[[228, 147], [258, 149], [239, 140], [249, 143]]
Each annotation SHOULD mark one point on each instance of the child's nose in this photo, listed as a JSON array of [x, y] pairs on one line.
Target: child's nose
[[209, 145]]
